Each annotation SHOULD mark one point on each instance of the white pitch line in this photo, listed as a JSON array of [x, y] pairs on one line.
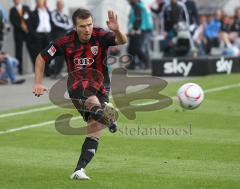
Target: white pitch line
[[216, 89], [33, 126], [226, 87], [28, 111]]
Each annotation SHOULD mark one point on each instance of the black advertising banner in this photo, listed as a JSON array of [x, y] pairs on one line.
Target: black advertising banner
[[224, 65], [195, 66]]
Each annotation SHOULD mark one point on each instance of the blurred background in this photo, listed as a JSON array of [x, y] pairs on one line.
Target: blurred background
[[213, 39], [167, 38]]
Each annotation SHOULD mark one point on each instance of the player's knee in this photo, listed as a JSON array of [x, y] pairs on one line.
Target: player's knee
[[91, 102], [93, 105]]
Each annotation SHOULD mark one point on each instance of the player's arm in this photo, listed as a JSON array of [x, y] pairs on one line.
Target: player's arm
[[38, 88], [121, 38], [46, 55], [113, 25]]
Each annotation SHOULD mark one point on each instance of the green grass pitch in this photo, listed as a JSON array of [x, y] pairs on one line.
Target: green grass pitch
[[205, 155]]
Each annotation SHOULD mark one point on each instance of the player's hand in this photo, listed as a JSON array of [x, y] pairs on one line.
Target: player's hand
[[39, 90], [112, 22]]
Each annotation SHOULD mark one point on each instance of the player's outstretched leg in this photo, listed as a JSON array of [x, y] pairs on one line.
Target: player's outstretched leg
[[113, 127], [111, 114], [107, 115]]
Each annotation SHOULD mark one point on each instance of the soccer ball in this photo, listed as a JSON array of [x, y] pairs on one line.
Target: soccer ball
[[190, 96]]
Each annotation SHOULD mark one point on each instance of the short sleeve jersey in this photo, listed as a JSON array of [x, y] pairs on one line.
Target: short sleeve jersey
[[86, 62]]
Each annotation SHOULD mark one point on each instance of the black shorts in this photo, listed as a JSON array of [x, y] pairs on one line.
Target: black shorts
[[78, 98]]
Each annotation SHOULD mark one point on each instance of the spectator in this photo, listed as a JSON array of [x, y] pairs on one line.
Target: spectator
[[1, 28], [236, 26], [227, 24], [41, 27], [212, 30], [3, 20], [4, 13], [219, 15], [140, 27], [192, 12], [228, 33], [19, 18], [172, 14], [158, 9], [9, 73], [237, 21], [199, 36], [61, 24]]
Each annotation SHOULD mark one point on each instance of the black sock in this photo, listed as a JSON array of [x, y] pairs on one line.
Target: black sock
[[89, 148]]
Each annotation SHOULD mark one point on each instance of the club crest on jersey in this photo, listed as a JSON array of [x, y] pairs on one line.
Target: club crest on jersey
[[52, 50], [94, 50]]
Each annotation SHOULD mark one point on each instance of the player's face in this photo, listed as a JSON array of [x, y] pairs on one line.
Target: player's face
[[84, 28]]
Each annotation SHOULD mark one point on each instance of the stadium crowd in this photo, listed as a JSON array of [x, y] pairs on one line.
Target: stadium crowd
[[183, 30], [35, 28]]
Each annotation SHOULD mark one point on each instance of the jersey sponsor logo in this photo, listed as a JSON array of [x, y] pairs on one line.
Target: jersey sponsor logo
[[94, 50], [83, 61], [52, 50]]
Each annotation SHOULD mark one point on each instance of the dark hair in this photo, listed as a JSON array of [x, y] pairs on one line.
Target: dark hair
[[81, 13]]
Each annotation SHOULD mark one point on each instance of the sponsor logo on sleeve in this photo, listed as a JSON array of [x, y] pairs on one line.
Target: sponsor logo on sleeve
[[52, 50]]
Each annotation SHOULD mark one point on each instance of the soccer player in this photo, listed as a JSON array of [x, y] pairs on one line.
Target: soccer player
[[85, 50]]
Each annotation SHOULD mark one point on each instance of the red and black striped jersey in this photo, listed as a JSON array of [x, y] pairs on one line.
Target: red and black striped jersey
[[86, 62]]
